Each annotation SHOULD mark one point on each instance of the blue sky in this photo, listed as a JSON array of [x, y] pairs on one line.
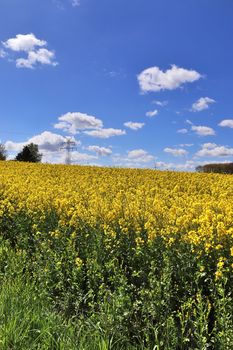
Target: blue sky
[[135, 83]]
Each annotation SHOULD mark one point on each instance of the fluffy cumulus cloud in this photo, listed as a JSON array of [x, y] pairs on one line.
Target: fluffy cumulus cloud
[[177, 152], [12, 146], [47, 141], [100, 151], [42, 56], [153, 79], [134, 125], [226, 123], [105, 133], [203, 130], [73, 122], [202, 104], [213, 150], [33, 48], [23, 42], [139, 156], [76, 122], [152, 113]]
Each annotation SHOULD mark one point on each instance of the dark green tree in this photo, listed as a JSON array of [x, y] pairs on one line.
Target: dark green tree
[[3, 153], [221, 168], [30, 153]]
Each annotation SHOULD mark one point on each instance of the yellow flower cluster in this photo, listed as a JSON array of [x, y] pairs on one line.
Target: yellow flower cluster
[[196, 208]]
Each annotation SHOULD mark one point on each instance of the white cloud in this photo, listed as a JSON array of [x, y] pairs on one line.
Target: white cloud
[[72, 122], [209, 145], [133, 125], [136, 158], [78, 157], [33, 47], [177, 152], [42, 56], [47, 141], [139, 156], [152, 113], [164, 165], [23, 42], [202, 104], [105, 133], [189, 165], [227, 123], [101, 151], [160, 103], [213, 150], [12, 146], [60, 157], [154, 79], [203, 130], [182, 131], [174, 166]]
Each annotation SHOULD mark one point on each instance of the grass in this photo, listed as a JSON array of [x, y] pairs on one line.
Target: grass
[[30, 319]]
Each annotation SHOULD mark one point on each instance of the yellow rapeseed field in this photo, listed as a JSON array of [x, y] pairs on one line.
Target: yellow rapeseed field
[[196, 208]]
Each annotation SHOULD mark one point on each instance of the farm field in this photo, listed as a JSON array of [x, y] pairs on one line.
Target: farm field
[[107, 258]]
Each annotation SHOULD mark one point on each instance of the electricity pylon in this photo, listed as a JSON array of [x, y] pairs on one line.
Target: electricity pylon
[[69, 146]]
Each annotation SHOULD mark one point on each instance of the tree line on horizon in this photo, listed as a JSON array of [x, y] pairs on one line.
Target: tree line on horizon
[[220, 168]]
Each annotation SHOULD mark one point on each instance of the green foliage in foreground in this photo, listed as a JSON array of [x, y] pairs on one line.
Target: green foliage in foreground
[[154, 297], [28, 320]]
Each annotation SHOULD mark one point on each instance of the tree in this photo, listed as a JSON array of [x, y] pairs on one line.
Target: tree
[[2, 152], [221, 168], [30, 153]]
